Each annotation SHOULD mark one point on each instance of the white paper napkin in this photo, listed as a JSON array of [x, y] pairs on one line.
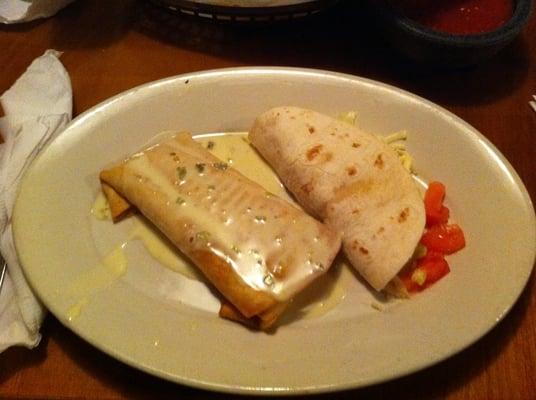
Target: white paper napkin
[[532, 103], [37, 107], [13, 11]]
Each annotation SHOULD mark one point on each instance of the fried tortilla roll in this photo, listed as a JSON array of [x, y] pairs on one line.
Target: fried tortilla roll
[[255, 248], [349, 179], [119, 207]]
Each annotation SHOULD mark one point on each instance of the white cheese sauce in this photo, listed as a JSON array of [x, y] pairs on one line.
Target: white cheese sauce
[[112, 267], [159, 247], [270, 244], [240, 249]]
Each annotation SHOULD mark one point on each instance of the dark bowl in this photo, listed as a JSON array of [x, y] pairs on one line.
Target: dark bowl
[[423, 44]]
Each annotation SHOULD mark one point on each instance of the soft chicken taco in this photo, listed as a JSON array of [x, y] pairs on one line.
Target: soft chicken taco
[[349, 179]]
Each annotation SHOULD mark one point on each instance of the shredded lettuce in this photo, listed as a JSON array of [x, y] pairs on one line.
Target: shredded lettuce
[[350, 117], [393, 139]]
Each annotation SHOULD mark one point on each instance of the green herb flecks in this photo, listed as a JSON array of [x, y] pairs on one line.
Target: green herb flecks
[[202, 235], [261, 219], [220, 165], [200, 167], [181, 172], [269, 280]]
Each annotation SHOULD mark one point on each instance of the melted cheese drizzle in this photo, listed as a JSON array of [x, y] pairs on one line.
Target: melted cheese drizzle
[[101, 208], [235, 149], [162, 250], [112, 267], [76, 309], [325, 293], [238, 223]]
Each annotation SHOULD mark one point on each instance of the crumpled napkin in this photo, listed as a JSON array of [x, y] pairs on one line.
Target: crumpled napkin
[[37, 107], [13, 11], [533, 103]]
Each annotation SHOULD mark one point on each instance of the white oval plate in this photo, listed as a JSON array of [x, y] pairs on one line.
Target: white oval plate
[[145, 323]]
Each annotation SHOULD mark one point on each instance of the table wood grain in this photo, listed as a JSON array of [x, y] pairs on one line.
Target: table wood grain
[[110, 47]]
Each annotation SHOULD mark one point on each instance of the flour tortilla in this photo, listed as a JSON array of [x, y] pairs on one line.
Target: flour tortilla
[[349, 179]]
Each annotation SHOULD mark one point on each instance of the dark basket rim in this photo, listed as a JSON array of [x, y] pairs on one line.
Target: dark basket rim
[[244, 14]]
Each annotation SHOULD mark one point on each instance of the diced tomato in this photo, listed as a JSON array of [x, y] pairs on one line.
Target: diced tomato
[[436, 212], [435, 266], [442, 217], [434, 196], [440, 238], [427, 271], [444, 238], [411, 286]]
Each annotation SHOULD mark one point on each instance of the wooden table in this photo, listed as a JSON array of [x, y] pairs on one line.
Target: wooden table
[[112, 46]]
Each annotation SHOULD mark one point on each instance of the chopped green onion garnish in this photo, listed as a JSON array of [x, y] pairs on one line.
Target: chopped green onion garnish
[[220, 165], [203, 235], [200, 167], [181, 171]]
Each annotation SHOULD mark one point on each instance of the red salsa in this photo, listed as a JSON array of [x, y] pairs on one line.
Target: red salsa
[[460, 17]]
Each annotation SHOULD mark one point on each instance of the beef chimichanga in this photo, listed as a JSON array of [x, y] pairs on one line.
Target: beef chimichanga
[[255, 248], [349, 179]]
